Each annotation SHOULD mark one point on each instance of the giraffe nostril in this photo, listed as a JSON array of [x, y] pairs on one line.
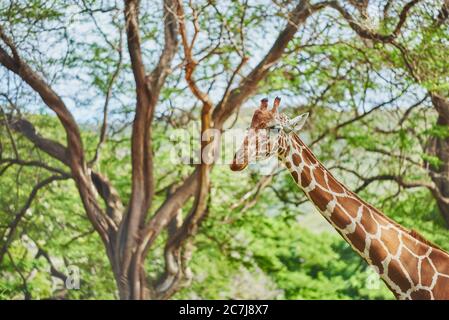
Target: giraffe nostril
[[237, 166]]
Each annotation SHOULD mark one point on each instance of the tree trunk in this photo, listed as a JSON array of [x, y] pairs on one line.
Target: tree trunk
[[133, 285], [439, 147]]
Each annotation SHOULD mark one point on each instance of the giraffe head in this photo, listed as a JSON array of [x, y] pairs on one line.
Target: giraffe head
[[267, 134]]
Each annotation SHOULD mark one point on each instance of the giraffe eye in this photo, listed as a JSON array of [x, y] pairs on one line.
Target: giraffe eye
[[274, 127]]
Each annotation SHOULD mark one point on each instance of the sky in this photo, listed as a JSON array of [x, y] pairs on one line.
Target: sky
[[84, 100]]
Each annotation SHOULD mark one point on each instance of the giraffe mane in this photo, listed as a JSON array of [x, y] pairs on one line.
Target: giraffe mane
[[411, 232], [415, 234]]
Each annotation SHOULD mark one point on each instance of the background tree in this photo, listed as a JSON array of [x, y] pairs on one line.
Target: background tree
[[128, 230], [121, 77]]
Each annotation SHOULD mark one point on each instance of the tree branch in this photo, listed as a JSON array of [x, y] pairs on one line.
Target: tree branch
[[399, 180], [59, 152], [221, 113], [248, 85], [368, 34], [359, 117], [177, 238], [53, 270], [147, 92], [12, 227], [104, 124], [443, 14], [34, 163], [74, 150]]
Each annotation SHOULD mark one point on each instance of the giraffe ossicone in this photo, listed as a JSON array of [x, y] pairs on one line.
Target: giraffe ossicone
[[411, 267]]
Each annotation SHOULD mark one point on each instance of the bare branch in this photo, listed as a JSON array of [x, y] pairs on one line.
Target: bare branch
[[74, 151], [249, 84], [175, 271], [221, 113], [104, 124], [52, 148], [250, 198], [9, 43], [198, 211], [147, 91], [368, 34], [34, 163], [25, 289], [59, 152], [53, 270], [190, 63], [12, 227], [358, 117], [443, 14], [168, 210], [8, 130], [397, 179]]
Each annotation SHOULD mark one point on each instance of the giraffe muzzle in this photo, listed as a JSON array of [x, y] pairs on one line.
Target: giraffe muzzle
[[238, 166]]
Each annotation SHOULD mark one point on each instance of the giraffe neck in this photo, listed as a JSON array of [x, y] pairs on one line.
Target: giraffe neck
[[410, 267]]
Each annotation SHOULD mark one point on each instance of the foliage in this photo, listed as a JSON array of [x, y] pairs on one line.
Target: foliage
[[371, 116]]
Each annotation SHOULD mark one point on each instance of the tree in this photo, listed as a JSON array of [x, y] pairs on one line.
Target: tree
[[417, 60], [143, 69], [127, 227], [397, 50]]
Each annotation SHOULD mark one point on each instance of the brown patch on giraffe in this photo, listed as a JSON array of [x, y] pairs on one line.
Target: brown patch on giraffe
[[427, 273], [334, 186], [320, 197], [382, 221], [441, 289], [368, 222], [377, 254], [285, 149], [296, 159], [288, 164], [308, 157], [295, 176], [440, 261], [351, 205], [319, 177], [340, 219], [410, 263], [261, 118], [411, 243], [415, 234], [297, 140], [357, 238], [420, 294], [306, 177], [390, 238], [398, 276]]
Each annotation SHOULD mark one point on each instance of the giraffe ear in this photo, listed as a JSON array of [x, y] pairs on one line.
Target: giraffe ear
[[263, 104], [298, 122], [276, 103]]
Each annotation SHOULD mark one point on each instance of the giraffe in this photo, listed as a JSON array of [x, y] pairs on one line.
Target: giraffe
[[411, 267]]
